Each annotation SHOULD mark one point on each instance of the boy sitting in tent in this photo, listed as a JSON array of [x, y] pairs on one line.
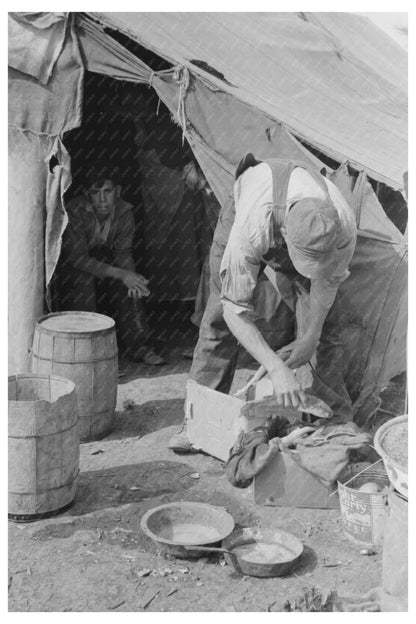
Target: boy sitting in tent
[[286, 215], [97, 267]]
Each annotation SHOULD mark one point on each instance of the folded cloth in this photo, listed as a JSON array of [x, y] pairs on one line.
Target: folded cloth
[[326, 451], [252, 451]]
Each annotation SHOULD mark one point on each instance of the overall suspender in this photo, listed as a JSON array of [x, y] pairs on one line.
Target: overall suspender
[[281, 171]]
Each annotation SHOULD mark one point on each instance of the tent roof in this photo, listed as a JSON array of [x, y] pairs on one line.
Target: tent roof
[[333, 79]]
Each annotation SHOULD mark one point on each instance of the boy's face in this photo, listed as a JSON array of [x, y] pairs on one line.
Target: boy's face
[[103, 198]]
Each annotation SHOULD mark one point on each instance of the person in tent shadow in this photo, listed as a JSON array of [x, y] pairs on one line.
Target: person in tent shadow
[[287, 215], [97, 272], [198, 184]]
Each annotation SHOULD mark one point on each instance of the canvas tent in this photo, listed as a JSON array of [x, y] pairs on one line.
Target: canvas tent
[[295, 85]]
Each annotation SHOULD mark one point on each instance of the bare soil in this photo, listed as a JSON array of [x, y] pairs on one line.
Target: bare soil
[[95, 556]]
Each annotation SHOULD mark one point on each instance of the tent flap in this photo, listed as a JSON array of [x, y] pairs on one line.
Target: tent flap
[[55, 107], [105, 56], [57, 183], [339, 93], [35, 42], [27, 180]]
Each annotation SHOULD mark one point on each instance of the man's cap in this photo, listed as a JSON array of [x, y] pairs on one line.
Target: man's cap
[[319, 244]]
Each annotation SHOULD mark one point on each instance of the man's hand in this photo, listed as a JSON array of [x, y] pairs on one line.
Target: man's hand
[[135, 283], [299, 352], [134, 294], [287, 388]]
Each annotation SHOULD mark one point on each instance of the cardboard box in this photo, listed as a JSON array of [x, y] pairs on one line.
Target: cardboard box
[[214, 419], [282, 483]]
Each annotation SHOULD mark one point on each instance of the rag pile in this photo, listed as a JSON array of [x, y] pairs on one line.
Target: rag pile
[[323, 451]]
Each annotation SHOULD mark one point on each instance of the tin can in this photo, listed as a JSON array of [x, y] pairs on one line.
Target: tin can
[[364, 514]]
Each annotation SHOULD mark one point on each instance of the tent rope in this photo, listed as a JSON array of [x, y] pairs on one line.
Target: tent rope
[[156, 74], [152, 75]]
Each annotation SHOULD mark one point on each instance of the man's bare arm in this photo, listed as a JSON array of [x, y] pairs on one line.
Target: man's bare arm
[[287, 388]]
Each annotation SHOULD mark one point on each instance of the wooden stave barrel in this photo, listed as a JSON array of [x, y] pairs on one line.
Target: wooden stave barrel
[[96, 412], [43, 449]]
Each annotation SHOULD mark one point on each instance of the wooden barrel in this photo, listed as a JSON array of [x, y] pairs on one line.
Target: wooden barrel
[[43, 446], [82, 347]]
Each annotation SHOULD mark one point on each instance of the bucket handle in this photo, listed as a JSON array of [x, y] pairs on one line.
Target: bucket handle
[[358, 474]]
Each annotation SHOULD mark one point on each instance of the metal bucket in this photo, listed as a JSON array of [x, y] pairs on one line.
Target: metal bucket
[[397, 473], [363, 514]]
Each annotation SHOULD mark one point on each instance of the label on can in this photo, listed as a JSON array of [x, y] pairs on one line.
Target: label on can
[[363, 515]]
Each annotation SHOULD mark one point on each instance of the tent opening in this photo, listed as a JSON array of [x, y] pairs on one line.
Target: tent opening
[[127, 126]]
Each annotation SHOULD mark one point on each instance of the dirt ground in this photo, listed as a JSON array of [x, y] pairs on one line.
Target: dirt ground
[[95, 556]]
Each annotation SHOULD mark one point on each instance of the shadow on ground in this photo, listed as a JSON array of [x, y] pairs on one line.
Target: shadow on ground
[[307, 562], [110, 503], [177, 363], [140, 420], [113, 487]]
